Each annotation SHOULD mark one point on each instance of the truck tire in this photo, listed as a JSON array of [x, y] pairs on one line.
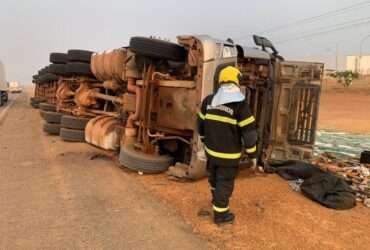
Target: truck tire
[[157, 49], [34, 105], [51, 128], [52, 117], [6, 97], [49, 77], [34, 102], [1, 99], [75, 55], [73, 122], [47, 107], [78, 68], [72, 135], [42, 71], [57, 69], [60, 58], [140, 162]]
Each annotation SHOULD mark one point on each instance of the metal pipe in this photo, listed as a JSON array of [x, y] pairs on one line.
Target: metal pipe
[[171, 138], [132, 87], [107, 97], [100, 112]]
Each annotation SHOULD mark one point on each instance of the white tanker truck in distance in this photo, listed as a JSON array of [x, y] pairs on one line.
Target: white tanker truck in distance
[[3, 85]]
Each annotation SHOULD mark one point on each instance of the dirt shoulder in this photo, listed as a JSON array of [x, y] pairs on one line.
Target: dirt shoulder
[[345, 109], [269, 215]]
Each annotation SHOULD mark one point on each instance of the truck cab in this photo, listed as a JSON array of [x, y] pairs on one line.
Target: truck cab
[[283, 96]]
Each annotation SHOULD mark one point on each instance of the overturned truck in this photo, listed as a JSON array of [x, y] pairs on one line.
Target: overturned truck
[[145, 98]]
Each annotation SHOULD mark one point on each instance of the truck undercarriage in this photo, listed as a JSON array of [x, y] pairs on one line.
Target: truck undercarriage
[[143, 100]]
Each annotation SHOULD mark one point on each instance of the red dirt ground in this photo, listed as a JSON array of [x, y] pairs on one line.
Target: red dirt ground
[[270, 215]]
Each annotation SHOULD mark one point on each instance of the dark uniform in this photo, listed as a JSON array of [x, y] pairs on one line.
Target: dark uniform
[[225, 130]]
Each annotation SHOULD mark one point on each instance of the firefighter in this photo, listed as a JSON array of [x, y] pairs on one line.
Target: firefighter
[[226, 126]]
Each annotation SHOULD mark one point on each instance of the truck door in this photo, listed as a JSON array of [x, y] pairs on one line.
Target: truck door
[[295, 110]]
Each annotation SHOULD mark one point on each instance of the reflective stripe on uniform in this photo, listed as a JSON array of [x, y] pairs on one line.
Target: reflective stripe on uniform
[[230, 156], [220, 118], [246, 122], [201, 116], [220, 209], [252, 150]]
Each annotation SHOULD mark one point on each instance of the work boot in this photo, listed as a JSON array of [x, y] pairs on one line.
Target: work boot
[[223, 218]]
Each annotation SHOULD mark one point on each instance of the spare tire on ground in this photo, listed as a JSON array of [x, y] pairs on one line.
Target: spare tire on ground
[[72, 135], [51, 128], [60, 58], [78, 68], [159, 49], [47, 107], [75, 55], [141, 162], [51, 117], [73, 122]]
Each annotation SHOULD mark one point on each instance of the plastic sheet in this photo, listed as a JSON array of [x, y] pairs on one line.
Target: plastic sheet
[[341, 144]]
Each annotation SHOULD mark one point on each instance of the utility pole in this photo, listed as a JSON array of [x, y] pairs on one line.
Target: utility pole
[[360, 57], [336, 56]]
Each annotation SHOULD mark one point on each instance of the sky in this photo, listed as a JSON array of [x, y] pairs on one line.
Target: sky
[[31, 29]]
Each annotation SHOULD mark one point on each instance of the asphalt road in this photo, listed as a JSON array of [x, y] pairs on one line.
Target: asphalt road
[[53, 196]]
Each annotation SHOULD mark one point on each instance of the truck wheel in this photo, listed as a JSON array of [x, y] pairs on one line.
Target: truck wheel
[[52, 117], [75, 55], [60, 58], [157, 49], [140, 162], [57, 69], [47, 107], [1, 99], [78, 68], [72, 135], [49, 77], [34, 103], [73, 122], [51, 128], [6, 97]]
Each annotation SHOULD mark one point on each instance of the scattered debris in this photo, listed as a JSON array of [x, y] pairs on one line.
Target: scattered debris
[[99, 156], [296, 184], [352, 171], [204, 212], [365, 157]]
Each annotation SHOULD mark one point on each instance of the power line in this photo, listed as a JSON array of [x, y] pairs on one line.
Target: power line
[[355, 21], [310, 19], [324, 32], [315, 18]]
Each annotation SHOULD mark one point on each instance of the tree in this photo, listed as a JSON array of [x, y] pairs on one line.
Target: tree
[[345, 77]]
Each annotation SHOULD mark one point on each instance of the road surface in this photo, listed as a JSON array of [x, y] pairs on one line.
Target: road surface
[[53, 196]]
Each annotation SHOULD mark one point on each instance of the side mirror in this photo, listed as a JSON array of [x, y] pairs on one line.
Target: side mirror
[[264, 43]]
